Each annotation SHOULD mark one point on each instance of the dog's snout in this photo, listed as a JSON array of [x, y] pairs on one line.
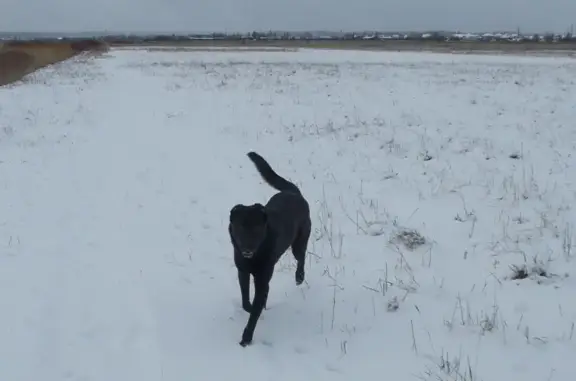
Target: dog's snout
[[248, 253]]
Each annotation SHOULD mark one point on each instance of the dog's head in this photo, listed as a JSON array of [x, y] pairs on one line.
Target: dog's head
[[248, 225]]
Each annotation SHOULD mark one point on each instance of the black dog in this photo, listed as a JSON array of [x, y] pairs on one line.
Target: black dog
[[261, 234]]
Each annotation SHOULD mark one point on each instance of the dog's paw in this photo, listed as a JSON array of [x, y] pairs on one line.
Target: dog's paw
[[244, 343], [299, 277], [247, 307], [246, 339]]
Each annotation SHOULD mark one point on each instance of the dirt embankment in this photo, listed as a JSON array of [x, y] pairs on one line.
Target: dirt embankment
[[19, 58]]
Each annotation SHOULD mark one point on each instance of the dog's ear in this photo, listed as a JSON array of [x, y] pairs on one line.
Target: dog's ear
[[234, 211], [262, 209]]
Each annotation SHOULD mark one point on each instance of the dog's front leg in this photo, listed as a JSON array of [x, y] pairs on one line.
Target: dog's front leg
[[244, 282], [262, 286]]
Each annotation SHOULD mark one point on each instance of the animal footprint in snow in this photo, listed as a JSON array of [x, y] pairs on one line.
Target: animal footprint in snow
[[300, 350]]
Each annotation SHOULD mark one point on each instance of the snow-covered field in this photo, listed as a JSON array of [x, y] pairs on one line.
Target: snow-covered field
[[430, 177]]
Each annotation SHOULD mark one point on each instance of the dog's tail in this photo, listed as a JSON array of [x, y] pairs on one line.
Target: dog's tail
[[272, 178]]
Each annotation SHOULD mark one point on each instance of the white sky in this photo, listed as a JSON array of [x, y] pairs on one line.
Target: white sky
[[247, 15]]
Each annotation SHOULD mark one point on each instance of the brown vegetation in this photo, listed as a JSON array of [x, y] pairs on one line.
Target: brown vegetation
[[19, 58], [505, 47]]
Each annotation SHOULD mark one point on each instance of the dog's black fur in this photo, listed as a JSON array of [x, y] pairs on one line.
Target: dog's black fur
[[261, 234]]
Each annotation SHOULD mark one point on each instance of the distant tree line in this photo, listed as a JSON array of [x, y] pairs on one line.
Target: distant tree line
[[433, 36]]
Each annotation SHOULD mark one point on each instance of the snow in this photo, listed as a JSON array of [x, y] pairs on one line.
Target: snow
[[117, 175]]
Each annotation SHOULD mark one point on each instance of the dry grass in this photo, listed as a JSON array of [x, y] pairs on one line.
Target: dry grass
[[19, 58], [564, 48]]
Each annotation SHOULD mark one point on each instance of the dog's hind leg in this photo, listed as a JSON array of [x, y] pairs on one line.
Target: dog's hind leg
[[299, 248]]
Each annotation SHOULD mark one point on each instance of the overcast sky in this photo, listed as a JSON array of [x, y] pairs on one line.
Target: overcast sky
[[247, 15]]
